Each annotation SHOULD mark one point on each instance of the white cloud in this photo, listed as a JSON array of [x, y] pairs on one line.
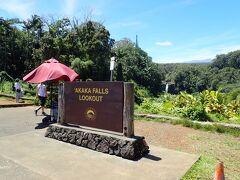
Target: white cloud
[[19, 8], [164, 43]]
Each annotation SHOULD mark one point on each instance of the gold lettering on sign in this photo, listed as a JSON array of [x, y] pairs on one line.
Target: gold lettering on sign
[[91, 94], [83, 90], [100, 90], [90, 98]]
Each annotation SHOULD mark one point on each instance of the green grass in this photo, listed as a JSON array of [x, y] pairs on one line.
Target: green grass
[[213, 149], [202, 169], [219, 118], [208, 127]]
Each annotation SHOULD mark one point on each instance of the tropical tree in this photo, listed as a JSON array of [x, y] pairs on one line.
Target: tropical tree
[[134, 64], [94, 43], [12, 47]]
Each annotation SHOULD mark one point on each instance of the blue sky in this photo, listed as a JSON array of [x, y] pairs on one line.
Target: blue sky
[[168, 30]]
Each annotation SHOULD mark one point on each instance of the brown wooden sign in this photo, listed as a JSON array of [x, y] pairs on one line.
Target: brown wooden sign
[[94, 104]]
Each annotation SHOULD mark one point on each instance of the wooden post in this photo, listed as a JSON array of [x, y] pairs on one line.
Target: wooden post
[[61, 104], [128, 103]]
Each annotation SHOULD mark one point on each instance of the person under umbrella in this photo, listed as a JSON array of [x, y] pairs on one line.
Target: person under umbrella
[[42, 96], [50, 70]]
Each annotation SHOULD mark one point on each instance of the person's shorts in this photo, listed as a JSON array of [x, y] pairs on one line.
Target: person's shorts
[[18, 94], [42, 100]]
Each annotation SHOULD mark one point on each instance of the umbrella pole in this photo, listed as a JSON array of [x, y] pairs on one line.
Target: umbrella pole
[[51, 102]]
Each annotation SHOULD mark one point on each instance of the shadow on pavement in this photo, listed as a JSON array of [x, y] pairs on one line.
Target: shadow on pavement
[[152, 157], [46, 121]]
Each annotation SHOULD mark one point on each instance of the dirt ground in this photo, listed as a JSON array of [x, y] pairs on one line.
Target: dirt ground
[[7, 101], [215, 146], [10, 101]]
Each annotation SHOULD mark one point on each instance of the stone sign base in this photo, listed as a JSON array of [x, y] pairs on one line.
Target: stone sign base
[[128, 148]]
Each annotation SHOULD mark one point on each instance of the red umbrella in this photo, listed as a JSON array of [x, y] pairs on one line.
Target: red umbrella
[[51, 70]]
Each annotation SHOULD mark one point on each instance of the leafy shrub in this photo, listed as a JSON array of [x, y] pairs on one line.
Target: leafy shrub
[[6, 87], [233, 95], [195, 113], [29, 93], [167, 107], [213, 101], [140, 93], [165, 97], [184, 100], [217, 117], [205, 106], [150, 105], [233, 108], [235, 119], [227, 88]]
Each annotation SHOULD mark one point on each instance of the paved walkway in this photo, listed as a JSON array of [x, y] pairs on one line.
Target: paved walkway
[[20, 119], [26, 154]]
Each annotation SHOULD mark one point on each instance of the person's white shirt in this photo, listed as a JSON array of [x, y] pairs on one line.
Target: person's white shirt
[[41, 90], [17, 86]]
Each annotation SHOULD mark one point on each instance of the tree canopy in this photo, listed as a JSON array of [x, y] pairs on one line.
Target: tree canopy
[[87, 47]]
